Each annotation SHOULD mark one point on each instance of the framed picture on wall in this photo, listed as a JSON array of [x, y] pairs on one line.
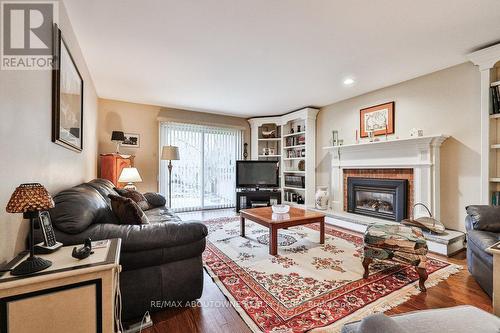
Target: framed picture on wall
[[131, 140], [67, 97], [378, 118]]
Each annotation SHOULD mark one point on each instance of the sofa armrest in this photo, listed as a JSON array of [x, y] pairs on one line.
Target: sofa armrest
[[483, 217], [469, 223], [155, 235], [141, 237]]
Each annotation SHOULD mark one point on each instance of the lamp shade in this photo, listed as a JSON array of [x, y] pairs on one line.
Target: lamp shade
[[130, 175], [170, 153], [29, 198], [117, 136]]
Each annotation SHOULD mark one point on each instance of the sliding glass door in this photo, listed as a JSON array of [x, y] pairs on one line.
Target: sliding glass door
[[204, 177]]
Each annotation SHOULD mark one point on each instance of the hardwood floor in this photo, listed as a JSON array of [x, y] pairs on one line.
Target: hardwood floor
[[458, 289]]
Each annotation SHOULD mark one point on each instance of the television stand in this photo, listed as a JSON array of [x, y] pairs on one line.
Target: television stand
[[253, 199]]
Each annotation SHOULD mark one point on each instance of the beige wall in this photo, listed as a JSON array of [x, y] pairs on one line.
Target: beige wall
[[28, 155], [144, 120], [444, 102]]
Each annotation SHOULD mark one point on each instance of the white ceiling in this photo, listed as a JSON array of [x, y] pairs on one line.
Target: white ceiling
[[263, 57]]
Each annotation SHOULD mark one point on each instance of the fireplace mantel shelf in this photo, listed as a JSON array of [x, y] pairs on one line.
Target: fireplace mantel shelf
[[434, 140]]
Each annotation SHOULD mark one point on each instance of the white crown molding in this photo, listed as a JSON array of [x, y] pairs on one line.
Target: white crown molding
[[485, 58], [306, 113]]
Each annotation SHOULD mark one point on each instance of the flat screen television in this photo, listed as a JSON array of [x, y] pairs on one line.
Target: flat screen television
[[255, 174]]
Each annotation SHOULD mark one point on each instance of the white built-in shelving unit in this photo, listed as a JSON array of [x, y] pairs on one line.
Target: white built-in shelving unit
[[294, 144], [488, 61]]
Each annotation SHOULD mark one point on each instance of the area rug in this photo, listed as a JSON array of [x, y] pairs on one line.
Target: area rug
[[307, 286]]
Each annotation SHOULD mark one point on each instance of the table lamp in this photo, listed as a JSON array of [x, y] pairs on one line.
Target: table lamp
[[117, 137], [170, 153], [130, 176], [29, 199]]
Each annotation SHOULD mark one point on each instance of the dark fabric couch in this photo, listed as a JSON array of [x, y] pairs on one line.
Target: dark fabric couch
[[161, 261], [483, 230]]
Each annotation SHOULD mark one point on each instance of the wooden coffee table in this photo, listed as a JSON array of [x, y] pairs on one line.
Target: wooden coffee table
[[296, 216]]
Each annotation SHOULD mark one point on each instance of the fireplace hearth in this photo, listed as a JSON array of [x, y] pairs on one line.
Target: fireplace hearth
[[382, 198]]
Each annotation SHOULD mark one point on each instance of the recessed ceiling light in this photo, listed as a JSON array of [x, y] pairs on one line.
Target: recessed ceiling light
[[348, 81]]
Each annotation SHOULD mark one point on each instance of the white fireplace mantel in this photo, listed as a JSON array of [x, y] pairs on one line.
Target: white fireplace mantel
[[418, 153]]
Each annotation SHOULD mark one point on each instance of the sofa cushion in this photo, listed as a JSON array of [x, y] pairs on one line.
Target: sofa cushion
[[104, 187], [155, 199], [483, 217], [78, 207], [137, 196], [161, 214], [127, 211], [482, 239]]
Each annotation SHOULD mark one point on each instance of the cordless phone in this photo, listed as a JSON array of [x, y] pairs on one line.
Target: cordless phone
[[49, 237]]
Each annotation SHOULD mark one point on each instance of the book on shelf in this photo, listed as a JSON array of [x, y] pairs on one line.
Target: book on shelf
[[495, 198], [495, 99]]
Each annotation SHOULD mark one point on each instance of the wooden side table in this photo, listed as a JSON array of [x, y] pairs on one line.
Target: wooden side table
[[495, 251], [70, 296]]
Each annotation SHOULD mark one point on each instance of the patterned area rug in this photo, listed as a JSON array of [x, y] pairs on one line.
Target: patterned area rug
[[307, 286]]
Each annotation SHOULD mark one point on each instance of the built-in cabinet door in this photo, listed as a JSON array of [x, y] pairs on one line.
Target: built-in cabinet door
[[121, 163], [112, 166]]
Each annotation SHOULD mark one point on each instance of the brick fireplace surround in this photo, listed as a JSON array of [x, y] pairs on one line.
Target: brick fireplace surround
[[382, 174]]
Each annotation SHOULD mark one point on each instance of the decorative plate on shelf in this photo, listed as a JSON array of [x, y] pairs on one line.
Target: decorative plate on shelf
[[302, 165]]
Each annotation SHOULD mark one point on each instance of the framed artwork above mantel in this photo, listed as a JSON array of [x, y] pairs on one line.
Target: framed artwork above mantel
[[379, 119], [67, 97]]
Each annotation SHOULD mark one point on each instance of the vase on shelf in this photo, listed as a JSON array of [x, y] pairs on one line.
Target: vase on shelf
[[322, 198]]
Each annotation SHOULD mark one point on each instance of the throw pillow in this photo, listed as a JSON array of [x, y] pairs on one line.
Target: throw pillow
[[155, 199], [138, 198], [127, 211]]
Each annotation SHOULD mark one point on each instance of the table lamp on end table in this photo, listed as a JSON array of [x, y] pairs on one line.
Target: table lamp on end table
[[130, 176], [117, 137], [170, 153], [30, 199]]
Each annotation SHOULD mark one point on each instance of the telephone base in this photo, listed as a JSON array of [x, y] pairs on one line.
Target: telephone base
[[42, 249]]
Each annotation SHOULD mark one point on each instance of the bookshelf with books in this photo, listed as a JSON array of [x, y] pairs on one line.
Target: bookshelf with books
[[296, 153], [494, 154], [488, 62]]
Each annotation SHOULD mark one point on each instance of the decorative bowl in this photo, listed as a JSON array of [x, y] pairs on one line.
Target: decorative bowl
[[279, 217], [281, 209]]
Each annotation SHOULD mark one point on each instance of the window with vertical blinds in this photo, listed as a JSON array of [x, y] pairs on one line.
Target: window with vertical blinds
[[205, 175]]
